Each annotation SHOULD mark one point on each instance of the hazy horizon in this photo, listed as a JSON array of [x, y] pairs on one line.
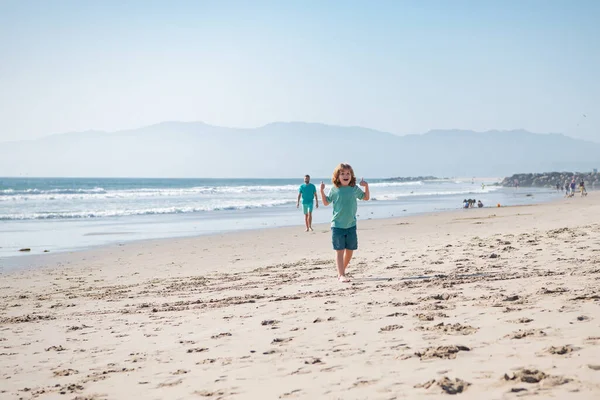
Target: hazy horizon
[[400, 67], [594, 140], [175, 149]]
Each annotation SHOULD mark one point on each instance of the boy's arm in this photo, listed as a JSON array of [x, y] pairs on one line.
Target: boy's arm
[[323, 195], [367, 194]]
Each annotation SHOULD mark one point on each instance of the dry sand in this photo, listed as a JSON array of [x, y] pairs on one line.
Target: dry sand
[[493, 303]]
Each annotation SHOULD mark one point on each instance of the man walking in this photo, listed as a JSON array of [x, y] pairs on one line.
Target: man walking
[[308, 192]]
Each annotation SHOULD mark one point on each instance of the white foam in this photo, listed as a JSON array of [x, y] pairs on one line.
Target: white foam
[[396, 184], [100, 193], [399, 196], [233, 205]]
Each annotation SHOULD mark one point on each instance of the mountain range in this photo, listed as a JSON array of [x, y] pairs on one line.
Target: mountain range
[[195, 149]]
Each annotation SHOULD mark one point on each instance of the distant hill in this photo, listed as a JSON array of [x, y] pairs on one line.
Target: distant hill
[[195, 149]]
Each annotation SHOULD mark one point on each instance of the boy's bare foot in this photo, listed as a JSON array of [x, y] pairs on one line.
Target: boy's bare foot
[[343, 279]]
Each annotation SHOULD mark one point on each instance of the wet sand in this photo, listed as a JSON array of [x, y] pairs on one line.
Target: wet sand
[[493, 303]]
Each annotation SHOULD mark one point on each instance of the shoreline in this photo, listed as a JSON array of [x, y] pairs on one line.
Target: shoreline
[[32, 261], [71, 234]]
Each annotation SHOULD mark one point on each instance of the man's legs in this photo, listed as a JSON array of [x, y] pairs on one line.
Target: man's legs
[[307, 215]]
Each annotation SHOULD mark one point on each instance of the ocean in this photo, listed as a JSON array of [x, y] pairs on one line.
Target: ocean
[[65, 214]]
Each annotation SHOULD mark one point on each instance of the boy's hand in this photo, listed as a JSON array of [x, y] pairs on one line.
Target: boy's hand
[[322, 186], [363, 183]]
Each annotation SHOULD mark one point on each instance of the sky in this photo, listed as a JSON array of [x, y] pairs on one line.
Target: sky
[[397, 66]]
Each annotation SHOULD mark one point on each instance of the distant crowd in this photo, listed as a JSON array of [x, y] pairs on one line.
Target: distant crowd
[[570, 187], [470, 203]]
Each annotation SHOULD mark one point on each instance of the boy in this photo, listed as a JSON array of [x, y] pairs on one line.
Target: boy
[[344, 195], [307, 191]]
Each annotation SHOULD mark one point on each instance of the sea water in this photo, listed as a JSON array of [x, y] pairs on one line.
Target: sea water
[[63, 214]]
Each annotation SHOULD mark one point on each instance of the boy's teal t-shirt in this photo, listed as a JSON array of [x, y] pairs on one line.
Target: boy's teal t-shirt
[[308, 193], [344, 205]]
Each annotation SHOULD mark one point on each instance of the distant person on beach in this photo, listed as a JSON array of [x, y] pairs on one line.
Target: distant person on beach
[[573, 187], [479, 204], [557, 187], [582, 188], [343, 196], [567, 188], [466, 203], [308, 192]]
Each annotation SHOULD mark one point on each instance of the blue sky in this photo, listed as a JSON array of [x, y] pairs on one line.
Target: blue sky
[[397, 66]]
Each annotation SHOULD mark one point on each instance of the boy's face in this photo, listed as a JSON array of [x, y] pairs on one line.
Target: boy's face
[[345, 177]]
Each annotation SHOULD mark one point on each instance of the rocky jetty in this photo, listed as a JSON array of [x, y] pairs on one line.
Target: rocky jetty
[[551, 179]]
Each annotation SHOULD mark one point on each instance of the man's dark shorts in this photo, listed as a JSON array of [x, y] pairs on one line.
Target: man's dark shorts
[[343, 239]]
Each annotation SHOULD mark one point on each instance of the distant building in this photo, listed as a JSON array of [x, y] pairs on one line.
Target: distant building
[[595, 170]]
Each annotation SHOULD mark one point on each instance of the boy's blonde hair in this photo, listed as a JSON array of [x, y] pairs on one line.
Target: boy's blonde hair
[[335, 179]]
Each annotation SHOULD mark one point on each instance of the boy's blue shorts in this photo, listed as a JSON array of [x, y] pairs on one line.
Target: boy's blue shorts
[[343, 239]]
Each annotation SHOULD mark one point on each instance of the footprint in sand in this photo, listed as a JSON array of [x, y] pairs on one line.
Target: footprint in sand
[[197, 350], [397, 314], [523, 320], [180, 372], [520, 334], [448, 352], [449, 386], [560, 350], [66, 372], [535, 376], [456, 328], [292, 394], [170, 384], [221, 335], [55, 348], [313, 360], [390, 328], [364, 383], [281, 340]]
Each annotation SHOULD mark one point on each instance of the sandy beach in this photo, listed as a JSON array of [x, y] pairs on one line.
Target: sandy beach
[[493, 303]]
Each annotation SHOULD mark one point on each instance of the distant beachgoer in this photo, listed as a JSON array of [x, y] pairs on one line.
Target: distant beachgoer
[[308, 192], [573, 186], [483, 186], [466, 203], [479, 204], [557, 187], [343, 196], [582, 188]]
